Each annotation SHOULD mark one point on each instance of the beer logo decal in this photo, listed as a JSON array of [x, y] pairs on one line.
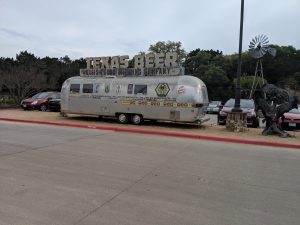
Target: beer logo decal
[[118, 90], [162, 89], [106, 88], [96, 88], [181, 89]]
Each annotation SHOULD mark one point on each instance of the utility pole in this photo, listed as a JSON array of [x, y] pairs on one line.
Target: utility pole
[[237, 104]]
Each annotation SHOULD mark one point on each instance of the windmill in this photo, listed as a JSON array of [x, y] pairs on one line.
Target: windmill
[[258, 47]]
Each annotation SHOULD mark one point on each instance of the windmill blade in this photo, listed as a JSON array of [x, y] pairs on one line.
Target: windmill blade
[[252, 44], [265, 43], [259, 46], [261, 53], [264, 50], [272, 51], [265, 38], [261, 37]]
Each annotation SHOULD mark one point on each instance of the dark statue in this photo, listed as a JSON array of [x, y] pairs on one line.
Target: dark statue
[[274, 102]]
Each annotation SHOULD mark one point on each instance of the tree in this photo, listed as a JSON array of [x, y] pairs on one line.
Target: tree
[[197, 60], [23, 76], [169, 46], [218, 85]]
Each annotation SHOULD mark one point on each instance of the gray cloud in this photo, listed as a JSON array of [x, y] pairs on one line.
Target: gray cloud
[[15, 34], [112, 27]]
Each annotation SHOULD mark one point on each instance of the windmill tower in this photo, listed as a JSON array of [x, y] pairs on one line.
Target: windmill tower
[[258, 47]]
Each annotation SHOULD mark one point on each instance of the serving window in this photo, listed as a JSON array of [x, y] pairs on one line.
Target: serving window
[[87, 88], [74, 88], [140, 89]]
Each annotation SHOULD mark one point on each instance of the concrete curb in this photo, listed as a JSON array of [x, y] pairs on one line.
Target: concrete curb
[[162, 133]]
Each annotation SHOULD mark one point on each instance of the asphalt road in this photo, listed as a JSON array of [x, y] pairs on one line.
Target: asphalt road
[[58, 175]]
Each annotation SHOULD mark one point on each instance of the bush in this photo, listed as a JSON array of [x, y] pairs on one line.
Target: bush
[[5, 100]]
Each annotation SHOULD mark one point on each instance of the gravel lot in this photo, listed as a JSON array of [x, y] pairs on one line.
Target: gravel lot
[[209, 128]]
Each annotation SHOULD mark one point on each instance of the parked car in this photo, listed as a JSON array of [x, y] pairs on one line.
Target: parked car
[[247, 106], [39, 101], [291, 120], [214, 107], [54, 103]]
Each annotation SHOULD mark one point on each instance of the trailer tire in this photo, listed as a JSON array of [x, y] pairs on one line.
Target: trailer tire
[[123, 118], [137, 119]]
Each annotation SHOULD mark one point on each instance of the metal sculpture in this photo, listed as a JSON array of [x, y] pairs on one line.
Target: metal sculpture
[[274, 102], [258, 47]]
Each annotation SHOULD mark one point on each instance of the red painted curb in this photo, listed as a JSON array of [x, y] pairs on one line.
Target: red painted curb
[[163, 133]]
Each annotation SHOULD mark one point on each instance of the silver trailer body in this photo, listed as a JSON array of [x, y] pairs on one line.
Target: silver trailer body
[[171, 98]]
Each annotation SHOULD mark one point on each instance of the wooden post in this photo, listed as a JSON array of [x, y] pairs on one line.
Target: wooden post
[[236, 121]]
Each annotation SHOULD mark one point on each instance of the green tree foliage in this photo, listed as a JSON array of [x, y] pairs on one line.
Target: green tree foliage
[[247, 81], [169, 46], [197, 60], [218, 85], [22, 76], [27, 74], [208, 65]]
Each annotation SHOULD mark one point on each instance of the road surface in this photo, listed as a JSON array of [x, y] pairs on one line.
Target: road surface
[[58, 175]]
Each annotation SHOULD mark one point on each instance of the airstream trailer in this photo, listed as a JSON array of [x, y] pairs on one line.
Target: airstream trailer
[[134, 99]]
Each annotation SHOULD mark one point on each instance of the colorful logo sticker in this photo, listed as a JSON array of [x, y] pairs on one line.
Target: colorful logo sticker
[[96, 88], [162, 89], [130, 89], [106, 88], [181, 89], [118, 90]]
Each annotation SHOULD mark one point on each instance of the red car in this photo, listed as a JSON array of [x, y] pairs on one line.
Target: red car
[[291, 120], [247, 106], [39, 101]]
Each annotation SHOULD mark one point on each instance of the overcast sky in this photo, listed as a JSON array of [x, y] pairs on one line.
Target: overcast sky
[[116, 27]]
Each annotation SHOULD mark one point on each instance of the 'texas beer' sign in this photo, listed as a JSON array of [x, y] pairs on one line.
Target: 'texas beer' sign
[[150, 64]]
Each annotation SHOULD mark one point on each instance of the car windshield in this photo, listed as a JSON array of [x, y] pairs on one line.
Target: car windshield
[[215, 103], [245, 103], [56, 96], [41, 95], [295, 111]]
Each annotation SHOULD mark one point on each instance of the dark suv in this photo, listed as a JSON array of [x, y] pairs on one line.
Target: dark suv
[[39, 101], [247, 106]]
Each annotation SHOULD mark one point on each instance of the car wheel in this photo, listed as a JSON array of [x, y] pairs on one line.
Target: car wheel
[[43, 108], [255, 124], [123, 118], [137, 119]]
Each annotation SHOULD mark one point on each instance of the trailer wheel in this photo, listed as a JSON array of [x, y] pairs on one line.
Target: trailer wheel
[[137, 119], [123, 118]]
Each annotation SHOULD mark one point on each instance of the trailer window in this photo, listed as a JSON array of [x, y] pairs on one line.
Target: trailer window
[[75, 88], [87, 88], [140, 89]]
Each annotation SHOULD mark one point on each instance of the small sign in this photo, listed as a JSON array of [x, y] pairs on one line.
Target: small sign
[[162, 89]]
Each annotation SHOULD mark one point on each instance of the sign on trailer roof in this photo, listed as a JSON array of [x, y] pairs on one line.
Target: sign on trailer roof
[[151, 64]]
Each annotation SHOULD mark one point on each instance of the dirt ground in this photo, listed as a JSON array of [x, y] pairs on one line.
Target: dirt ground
[[207, 128]]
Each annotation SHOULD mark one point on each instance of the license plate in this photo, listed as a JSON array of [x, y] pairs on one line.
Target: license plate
[[292, 124]]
